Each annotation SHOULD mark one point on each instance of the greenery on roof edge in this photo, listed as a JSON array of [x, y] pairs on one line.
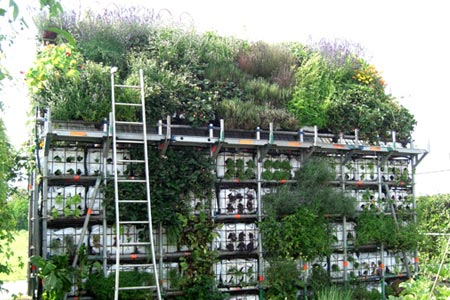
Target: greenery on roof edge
[[201, 78]]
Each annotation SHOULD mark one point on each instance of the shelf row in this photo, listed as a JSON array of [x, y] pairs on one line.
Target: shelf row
[[305, 138], [236, 273], [230, 166], [77, 200]]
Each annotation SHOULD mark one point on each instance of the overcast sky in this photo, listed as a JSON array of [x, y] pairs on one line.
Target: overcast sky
[[407, 41]]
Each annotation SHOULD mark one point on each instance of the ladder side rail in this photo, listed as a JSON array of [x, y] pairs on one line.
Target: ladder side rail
[[116, 188], [147, 183]]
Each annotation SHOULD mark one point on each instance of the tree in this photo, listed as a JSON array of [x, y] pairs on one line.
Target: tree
[[18, 207], [6, 217], [10, 14]]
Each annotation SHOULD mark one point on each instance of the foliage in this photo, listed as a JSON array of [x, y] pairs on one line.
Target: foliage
[[296, 225], [249, 115], [319, 278], [239, 114], [312, 92], [283, 279], [85, 96], [360, 292], [12, 12], [198, 281], [371, 111], [53, 61], [303, 234], [270, 62], [7, 223], [205, 77], [313, 180], [17, 265], [56, 274], [262, 92], [18, 205], [375, 227], [419, 288], [433, 216], [334, 293], [187, 97], [339, 91], [104, 37], [282, 202], [171, 193], [102, 288], [356, 106]]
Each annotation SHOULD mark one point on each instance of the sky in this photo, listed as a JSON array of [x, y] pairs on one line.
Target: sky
[[406, 40]]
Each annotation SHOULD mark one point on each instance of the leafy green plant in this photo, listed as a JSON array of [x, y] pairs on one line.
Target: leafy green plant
[[319, 279], [312, 92], [239, 114], [102, 288], [375, 227], [7, 224], [199, 279], [171, 194], [53, 61], [300, 235], [432, 217], [361, 292], [56, 275], [420, 288], [296, 224], [86, 97], [283, 279], [271, 62], [334, 293]]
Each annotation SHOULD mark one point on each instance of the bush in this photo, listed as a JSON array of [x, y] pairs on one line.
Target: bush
[[283, 279], [271, 62], [334, 293], [103, 287], [18, 205]]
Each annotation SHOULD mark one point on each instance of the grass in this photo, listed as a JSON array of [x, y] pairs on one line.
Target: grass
[[334, 293], [20, 248]]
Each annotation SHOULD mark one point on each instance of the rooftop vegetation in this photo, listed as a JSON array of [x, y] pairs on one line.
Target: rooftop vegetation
[[199, 78]]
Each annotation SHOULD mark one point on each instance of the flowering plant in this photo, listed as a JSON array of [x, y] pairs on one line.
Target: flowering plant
[[53, 61], [369, 75]]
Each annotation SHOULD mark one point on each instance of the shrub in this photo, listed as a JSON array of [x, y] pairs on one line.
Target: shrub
[[272, 62], [263, 92], [103, 287], [186, 97], [283, 279], [86, 97], [313, 91], [334, 293], [376, 227], [108, 37], [239, 114]]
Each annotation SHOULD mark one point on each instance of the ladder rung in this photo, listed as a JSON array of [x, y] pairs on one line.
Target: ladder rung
[[135, 244], [127, 104], [130, 141], [127, 86], [136, 265], [133, 222], [129, 123], [133, 201], [144, 287], [131, 160], [131, 180]]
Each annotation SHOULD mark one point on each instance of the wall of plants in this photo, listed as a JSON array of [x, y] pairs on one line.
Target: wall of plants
[[200, 78]]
